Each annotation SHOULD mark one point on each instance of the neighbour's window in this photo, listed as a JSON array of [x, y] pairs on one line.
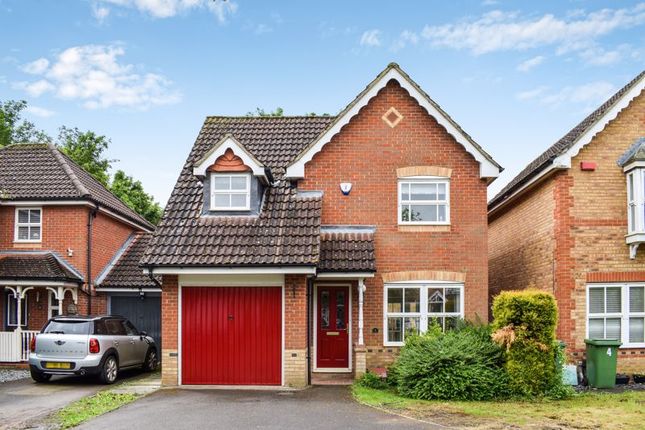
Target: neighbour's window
[[12, 311], [411, 309], [424, 201], [52, 305], [617, 311], [230, 191], [28, 225]]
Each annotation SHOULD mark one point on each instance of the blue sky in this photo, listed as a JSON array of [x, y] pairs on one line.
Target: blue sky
[[515, 75]]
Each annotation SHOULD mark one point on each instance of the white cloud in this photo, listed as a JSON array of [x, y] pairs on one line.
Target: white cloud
[[40, 111], [508, 31], [94, 75], [406, 38], [36, 67], [527, 65], [371, 38], [100, 12], [590, 94], [169, 8]]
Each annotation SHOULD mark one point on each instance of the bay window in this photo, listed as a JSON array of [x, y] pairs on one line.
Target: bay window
[[413, 307], [617, 311]]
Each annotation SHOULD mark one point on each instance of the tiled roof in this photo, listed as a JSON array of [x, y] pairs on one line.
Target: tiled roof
[[126, 272], [562, 145], [42, 172], [287, 230], [635, 153], [35, 266], [346, 250]]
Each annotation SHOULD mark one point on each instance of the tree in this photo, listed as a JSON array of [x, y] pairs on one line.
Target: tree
[[262, 113], [133, 195], [14, 129], [86, 149]]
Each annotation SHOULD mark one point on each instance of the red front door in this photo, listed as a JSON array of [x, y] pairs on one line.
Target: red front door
[[332, 349]]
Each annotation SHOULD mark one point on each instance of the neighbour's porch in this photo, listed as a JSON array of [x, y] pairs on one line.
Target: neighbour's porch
[[34, 287]]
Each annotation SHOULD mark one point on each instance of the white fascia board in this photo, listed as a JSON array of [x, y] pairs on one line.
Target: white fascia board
[[228, 142], [633, 165], [487, 169], [601, 123], [231, 270], [40, 283], [345, 275]]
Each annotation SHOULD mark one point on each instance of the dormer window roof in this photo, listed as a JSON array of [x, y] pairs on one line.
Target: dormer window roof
[[229, 155], [633, 164]]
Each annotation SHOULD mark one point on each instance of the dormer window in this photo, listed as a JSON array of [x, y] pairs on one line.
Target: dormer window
[[230, 191]]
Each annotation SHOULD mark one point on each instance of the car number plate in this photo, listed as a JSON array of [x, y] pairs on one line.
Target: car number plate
[[51, 365]]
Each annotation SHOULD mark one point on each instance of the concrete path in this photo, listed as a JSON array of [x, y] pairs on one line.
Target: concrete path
[[25, 404], [316, 408]]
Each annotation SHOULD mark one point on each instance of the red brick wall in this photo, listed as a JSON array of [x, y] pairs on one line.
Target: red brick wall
[[367, 152], [108, 236], [295, 312]]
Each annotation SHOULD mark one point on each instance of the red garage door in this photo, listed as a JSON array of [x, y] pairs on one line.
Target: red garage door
[[231, 336]]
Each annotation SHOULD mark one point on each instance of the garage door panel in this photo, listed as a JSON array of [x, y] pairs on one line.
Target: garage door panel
[[231, 335]]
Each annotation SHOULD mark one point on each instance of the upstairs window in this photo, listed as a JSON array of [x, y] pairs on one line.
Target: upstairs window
[[424, 201], [230, 192], [28, 225], [636, 201]]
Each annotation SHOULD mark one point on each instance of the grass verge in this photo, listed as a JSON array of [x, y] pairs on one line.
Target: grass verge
[[92, 406], [590, 410]]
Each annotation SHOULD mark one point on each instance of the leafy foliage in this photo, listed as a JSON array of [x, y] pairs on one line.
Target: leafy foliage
[[14, 129], [133, 195], [372, 380], [87, 150], [462, 364], [524, 324], [262, 113]]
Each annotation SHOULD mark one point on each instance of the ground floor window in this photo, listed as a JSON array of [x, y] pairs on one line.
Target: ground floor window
[[617, 311], [52, 305], [413, 307], [11, 313]]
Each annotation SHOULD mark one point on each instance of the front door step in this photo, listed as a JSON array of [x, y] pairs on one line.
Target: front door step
[[320, 378]]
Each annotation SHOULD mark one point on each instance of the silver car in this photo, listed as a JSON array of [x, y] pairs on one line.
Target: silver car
[[92, 345]]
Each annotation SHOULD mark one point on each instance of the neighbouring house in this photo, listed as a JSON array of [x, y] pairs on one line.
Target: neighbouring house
[[65, 245], [305, 248], [571, 223]]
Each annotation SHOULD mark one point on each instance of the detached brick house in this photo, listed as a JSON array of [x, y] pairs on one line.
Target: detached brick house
[[571, 223], [61, 236], [295, 248]]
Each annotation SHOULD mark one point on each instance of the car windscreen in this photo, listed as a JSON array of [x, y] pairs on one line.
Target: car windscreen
[[68, 327]]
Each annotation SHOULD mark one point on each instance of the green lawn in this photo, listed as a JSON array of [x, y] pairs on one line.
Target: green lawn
[[584, 411], [93, 406]]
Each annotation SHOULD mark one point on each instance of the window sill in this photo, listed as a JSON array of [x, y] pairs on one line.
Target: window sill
[[27, 244], [394, 344], [432, 228]]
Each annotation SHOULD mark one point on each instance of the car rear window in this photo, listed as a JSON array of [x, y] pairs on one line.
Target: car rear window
[[68, 327]]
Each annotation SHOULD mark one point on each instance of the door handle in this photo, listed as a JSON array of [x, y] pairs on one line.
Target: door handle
[[116, 343], [132, 341]]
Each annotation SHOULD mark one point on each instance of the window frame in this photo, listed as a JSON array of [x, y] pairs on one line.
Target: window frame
[[625, 314], [423, 313], [28, 224], [51, 306], [9, 298], [422, 180], [246, 191]]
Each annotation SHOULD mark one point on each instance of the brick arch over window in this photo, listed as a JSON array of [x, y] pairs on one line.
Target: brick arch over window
[[405, 172], [229, 162]]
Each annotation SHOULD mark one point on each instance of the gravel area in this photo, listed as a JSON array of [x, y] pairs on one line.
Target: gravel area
[[7, 375]]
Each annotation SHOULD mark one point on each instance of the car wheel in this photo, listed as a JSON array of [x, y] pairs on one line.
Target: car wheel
[[39, 376], [110, 370], [151, 361]]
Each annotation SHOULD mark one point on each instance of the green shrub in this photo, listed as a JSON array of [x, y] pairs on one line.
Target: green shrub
[[524, 324], [462, 364], [372, 380]]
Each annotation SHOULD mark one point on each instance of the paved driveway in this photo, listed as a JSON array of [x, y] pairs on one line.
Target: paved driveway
[[315, 408], [24, 404]]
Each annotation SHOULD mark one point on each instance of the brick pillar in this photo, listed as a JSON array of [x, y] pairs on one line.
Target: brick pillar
[[295, 330], [360, 360], [169, 312]]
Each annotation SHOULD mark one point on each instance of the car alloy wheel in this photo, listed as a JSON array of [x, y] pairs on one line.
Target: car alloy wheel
[[110, 369]]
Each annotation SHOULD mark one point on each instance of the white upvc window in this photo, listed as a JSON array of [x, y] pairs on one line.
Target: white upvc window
[[424, 201], [411, 307], [28, 225], [617, 311], [12, 311], [636, 201], [230, 191], [52, 305]]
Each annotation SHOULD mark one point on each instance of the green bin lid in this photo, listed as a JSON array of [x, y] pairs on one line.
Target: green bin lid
[[603, 342]]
